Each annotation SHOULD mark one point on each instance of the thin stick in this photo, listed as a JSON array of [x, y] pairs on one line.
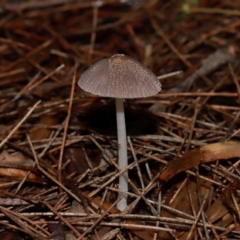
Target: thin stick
[[171, 74], [19, 123], [47, 76], [98, 220], [137, 166], [159, 210], [215, 11], [66, 124], [198, 215], [62, 218], [93, 34], [48, 175]]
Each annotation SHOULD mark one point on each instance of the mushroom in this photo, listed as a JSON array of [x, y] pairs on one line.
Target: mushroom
[[120, 77]]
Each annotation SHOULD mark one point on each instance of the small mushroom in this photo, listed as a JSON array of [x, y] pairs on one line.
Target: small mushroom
[[120, 77]]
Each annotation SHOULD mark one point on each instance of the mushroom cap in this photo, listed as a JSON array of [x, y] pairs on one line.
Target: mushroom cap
[[119, 77]]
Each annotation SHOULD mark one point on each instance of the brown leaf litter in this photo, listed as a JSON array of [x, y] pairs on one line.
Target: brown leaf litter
[[58, 148]]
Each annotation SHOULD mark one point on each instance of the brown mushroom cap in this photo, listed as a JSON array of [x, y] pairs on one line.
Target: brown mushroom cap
[[119, 77]]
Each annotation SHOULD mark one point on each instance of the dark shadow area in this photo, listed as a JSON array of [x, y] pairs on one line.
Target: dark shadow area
[[101, 118]]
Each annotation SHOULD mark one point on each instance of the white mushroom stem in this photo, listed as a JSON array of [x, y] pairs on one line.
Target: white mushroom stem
[[122, 153]]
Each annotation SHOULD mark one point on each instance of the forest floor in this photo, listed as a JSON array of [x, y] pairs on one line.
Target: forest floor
[[58, 145]]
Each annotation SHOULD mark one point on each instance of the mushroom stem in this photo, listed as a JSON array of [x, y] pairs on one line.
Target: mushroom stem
[[122, 153]]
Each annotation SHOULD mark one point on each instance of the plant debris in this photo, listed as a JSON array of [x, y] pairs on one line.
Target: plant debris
[[58, 146]]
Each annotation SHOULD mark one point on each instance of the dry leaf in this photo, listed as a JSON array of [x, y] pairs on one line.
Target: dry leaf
[[15, 159], [10, 235], [43, 133], [17, 166], [208, 153]]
